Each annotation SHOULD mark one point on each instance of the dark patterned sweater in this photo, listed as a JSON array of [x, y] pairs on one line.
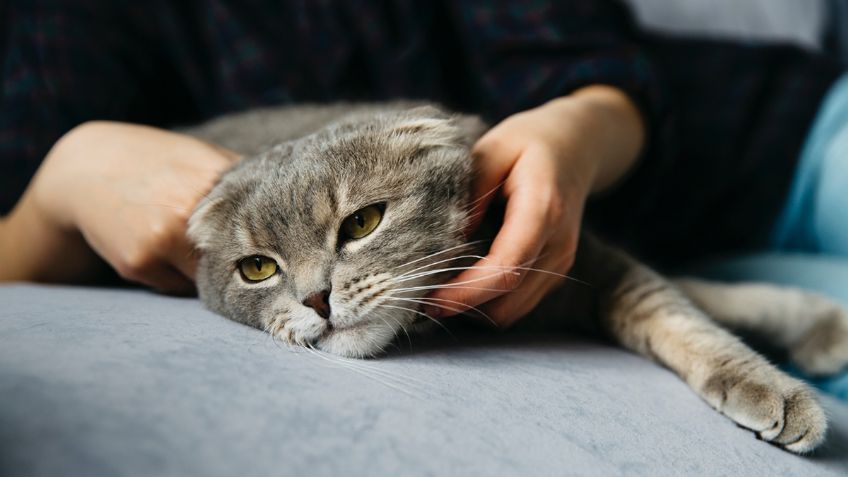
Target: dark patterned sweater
[[726, 121]]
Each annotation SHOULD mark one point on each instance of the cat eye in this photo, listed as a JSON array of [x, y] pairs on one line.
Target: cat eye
[[257, 268], [362, 222]]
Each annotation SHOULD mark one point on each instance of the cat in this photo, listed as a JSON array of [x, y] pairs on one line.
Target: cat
[[342, 218]]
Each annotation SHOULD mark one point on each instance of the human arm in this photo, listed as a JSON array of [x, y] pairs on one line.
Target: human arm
[[603, 102], [119, 191]]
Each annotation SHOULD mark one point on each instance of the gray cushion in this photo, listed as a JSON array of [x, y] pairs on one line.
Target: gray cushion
[[122, 382]]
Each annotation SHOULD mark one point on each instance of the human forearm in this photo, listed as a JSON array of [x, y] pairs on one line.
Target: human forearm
[[33, 248], [116, 193]]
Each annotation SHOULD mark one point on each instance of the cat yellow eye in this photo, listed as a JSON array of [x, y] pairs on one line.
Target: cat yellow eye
[[362, 222], [257, 268]]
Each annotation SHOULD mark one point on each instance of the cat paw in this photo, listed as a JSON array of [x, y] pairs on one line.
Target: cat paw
[[779, 409], [301, 332], [824, 350]]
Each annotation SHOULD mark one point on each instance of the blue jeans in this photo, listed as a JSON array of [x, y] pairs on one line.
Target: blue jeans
[[814, 221], [815, 217]]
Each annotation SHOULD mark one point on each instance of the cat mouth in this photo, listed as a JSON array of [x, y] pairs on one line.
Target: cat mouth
[[331, 328]]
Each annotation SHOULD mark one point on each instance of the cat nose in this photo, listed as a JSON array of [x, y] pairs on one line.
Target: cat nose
[[320, 302]]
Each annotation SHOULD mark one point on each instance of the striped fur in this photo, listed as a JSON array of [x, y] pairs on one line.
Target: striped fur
[[656, 318], [313, 165]]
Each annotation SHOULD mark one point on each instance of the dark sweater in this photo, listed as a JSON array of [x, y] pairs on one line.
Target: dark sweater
[[726, 121]]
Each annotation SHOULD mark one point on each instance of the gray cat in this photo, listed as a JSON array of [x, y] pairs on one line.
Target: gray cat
[[343, 218]]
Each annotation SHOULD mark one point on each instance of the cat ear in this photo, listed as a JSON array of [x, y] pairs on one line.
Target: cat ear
[[471, 126], [201, 230], [433, 128]]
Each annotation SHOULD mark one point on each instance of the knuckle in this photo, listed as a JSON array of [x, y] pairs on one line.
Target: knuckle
[[556, 209], [134, 262], [499, 316], [552, 203], [128, 271], [161, 234], [486, 146], [506, 314], [509, 278], [157, 234]]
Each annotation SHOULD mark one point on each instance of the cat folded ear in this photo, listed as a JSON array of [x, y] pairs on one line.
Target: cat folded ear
[[201, 228], [434, 128]]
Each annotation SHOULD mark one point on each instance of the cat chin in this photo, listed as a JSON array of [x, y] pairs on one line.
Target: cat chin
[[363, 340]]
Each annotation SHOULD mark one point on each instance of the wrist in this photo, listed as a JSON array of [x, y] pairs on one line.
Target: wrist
[[609, 128]]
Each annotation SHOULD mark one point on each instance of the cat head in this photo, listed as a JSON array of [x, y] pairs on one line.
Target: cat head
[[330, 240]]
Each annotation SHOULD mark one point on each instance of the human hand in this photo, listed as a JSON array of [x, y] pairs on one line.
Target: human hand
[[546, 161], [129, 190]]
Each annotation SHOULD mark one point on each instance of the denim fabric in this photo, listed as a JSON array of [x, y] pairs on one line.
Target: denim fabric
[[815, 217]]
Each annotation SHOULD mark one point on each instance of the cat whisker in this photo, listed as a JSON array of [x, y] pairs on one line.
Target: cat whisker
[[410, 272], [408, 338], [456, 285], [443, 270], [474, 204], [512, 270], [272, 329], [375, 377], [439, 286], [391, 380], [464, 308], [467, 244], [361, 364], [425, 315]]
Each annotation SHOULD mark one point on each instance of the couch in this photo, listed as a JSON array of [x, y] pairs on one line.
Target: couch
[[124, 382], [114, 382]]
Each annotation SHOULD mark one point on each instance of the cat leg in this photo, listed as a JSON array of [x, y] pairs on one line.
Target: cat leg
[[649, 315], [813, 328]]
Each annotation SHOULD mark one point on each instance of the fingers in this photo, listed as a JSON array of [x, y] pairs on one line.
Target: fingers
[[525, 230], [508, 309], [182, 256], [164, 261], [165, 279], [178, 258], [493, 162]]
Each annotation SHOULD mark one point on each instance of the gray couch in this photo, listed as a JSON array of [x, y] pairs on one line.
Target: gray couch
[[98, 382], [121, 382]]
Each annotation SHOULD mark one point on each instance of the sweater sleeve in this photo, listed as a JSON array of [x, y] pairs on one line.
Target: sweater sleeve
[[64, 63], [525, 53]]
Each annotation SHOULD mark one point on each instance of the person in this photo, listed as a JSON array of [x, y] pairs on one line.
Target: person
[[677, 148]]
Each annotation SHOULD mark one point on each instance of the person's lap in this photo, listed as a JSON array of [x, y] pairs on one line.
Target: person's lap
[[815, 217]]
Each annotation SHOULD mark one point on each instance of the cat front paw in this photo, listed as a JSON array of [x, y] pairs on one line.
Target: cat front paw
[[779, 409], [302, 332], [824, 350]]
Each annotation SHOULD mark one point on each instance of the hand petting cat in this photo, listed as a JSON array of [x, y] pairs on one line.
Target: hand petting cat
[[545, 162], [120, 191]]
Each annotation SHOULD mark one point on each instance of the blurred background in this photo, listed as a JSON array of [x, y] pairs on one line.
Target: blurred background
[[815, 24]]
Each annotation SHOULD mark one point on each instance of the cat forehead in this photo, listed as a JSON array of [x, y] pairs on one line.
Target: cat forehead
[[302, 185], [361, 157]]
